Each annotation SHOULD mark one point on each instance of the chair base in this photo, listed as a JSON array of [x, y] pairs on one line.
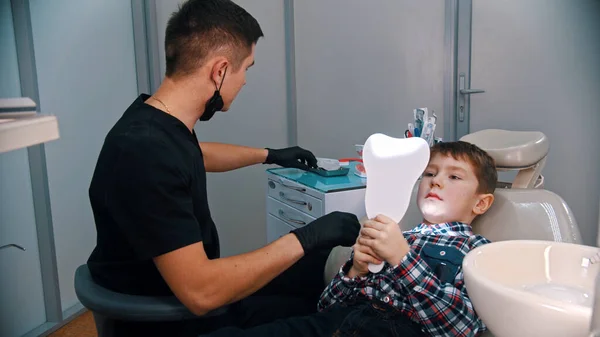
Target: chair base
[[104, 326]]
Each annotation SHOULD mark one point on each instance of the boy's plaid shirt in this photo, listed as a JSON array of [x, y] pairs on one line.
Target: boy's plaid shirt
[[412, 287]]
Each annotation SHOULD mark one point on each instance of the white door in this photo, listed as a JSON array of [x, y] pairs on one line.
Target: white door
[[537, 61]]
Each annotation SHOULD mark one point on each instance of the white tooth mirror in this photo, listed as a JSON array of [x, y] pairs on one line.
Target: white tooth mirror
[[393, 166]]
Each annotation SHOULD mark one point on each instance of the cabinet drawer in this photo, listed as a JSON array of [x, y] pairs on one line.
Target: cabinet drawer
[[295, 197], [292, 216], [276, 228]]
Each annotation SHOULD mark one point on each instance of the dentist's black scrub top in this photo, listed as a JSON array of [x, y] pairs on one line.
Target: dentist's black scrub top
[[148, 197]]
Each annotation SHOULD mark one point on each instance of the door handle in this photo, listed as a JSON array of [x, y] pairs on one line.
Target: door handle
[[462, 83], [464, 91], [471, 91], [12, 245]]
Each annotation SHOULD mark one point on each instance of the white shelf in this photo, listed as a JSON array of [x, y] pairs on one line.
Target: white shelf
[[17, 133]]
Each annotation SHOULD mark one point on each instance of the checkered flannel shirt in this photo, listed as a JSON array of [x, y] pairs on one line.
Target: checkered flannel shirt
[[442, 309]]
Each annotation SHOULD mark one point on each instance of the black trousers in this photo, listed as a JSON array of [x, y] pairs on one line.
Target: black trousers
[[357, 320], [293, 293]]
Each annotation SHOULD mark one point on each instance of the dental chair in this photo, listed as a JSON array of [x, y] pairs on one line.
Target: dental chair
[[522, 151], [109, 307], [516, 214]]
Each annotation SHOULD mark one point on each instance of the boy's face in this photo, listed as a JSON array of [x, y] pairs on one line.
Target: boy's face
[[448, 192]]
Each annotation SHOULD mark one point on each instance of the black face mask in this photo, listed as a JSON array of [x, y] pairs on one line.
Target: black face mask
[[215, 103]]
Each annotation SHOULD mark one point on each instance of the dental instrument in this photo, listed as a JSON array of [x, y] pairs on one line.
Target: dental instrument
[[417, 132], [393, 166], [420, 116], [428, 131], [419, 119], [327, 167], [328, 164], [342, 171]]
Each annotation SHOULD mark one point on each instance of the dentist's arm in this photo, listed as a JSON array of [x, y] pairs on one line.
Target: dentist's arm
[[203, 285], [219, 157]]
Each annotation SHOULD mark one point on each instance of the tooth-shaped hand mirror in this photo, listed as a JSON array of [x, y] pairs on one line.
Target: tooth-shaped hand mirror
[[393, 165]]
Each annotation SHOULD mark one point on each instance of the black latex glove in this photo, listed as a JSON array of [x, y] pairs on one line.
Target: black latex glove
[[331, 230], [295, 157]]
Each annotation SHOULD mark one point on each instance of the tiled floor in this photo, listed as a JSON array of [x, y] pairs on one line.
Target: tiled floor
[[82, 326]]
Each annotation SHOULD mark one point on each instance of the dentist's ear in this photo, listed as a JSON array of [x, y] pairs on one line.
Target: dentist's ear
[[483, 204], [218, 69]]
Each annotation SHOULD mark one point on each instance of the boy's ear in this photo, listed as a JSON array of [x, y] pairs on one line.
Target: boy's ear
[[484, 203]]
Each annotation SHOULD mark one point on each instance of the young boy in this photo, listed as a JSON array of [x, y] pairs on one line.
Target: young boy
[[421, 288], [420, 291]]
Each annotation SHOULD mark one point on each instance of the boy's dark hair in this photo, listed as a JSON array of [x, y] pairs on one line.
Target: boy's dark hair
[[201, 27], [483, 165]]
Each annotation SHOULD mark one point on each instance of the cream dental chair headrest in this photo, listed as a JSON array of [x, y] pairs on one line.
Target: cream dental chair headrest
[[520, 214], [522, 151]]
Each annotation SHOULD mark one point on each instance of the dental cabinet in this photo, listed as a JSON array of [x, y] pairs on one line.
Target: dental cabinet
[[296, 197]]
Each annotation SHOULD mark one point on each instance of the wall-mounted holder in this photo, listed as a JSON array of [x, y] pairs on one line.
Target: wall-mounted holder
[[21, 126], [13, 245]]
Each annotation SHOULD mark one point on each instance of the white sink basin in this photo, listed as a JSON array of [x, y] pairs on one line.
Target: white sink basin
[[532, 288]]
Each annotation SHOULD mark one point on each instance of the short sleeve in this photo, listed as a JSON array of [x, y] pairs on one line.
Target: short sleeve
[[151, 198]]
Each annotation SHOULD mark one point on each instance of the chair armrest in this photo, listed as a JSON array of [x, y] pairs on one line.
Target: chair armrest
[[130, 307], [338, 256]]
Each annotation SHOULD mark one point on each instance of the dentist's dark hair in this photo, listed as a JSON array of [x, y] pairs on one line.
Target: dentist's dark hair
[[202, 28]]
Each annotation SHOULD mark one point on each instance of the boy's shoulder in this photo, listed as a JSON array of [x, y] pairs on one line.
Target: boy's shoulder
[[464, 243], [477, 240]]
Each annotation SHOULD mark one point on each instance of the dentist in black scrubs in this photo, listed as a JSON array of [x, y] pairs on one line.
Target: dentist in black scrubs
[[155, 234]]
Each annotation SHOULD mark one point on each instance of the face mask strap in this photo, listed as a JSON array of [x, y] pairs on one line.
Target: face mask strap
[[222, 80], [215, 103]]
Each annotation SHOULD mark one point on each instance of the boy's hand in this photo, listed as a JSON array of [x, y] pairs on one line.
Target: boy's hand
[[363, 255], [385, 239]]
